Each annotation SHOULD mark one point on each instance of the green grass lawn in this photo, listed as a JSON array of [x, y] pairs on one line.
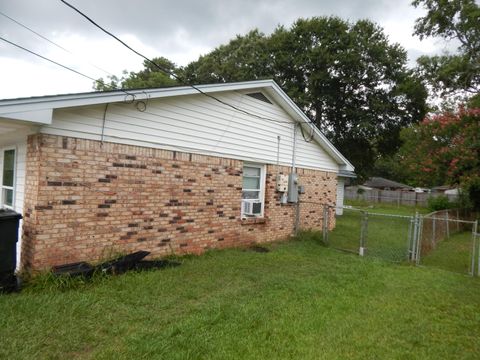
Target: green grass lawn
[[299, 301], [454, 254], [387, 237]]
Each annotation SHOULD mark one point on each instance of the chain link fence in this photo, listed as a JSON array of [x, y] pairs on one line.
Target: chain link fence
[[373, 234], [388, 236], [446, 239]]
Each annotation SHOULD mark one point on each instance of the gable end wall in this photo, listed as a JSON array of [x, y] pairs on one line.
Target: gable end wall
[[199, 125]]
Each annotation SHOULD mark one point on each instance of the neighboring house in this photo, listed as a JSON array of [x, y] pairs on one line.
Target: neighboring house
[[169, 170], [455, 191], [440, 189], [385, 184], [445, 189]]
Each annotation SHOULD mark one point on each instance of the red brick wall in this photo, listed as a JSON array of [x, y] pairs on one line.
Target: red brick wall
[[85, 200]]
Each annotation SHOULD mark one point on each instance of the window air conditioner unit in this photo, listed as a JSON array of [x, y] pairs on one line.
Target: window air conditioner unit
[[251, 207]]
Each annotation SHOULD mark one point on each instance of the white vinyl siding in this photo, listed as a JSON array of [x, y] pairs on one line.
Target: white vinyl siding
[[195, 123]]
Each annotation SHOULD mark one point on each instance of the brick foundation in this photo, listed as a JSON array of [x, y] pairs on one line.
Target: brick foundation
[[85, 200]]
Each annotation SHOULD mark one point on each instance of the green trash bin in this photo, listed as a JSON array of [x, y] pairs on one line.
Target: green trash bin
[[9, 222]]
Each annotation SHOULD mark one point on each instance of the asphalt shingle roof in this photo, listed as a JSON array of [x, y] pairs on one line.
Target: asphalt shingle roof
[[379, 182]]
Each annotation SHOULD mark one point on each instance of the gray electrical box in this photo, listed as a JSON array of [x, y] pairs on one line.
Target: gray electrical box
[[301, 189], [292, 188]]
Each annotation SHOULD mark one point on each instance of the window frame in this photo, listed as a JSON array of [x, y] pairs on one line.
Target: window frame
[[261, 196], [5, 187]]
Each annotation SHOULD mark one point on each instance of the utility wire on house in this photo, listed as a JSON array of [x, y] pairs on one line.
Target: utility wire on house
[[51, 41], [311, 134], [166, 71]]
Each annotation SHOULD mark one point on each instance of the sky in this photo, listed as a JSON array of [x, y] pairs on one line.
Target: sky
[[180, 30]]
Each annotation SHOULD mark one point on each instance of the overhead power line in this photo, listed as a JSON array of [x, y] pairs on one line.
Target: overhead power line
[[168, 72], [131, 97], [129, 100], [50, 41], [50, 60], [33, 31]]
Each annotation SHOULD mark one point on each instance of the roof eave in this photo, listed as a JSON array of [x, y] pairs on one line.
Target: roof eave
[[102, 97], [42, 107], [347, 174]]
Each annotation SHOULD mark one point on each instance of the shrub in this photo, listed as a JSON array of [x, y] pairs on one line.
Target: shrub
[[463, 201], [439, 203], [472, 192]]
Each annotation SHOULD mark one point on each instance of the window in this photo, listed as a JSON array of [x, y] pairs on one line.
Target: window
[[253, 190], [8, 178]]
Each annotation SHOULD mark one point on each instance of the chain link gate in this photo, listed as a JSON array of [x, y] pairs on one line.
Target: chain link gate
[[448, 242], [385, 236], [441, 239], [350, 235]]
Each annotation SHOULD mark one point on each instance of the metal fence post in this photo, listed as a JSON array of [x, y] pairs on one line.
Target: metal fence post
[[415, 239], [419, 236], [414, 236], [409, 238], [363, 233], [474, 248], [297, 218]]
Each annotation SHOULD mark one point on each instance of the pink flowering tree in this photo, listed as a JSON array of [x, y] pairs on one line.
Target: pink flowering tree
[[445, 149]]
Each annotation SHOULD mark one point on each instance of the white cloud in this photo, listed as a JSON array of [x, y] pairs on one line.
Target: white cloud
[[30, 79], [179, 31]]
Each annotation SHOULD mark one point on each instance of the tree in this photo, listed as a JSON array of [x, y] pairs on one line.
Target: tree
[[150, 77], [474, 102], [458, 20], [445, 148], [347, 77], [242, 59], [350, 81]]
